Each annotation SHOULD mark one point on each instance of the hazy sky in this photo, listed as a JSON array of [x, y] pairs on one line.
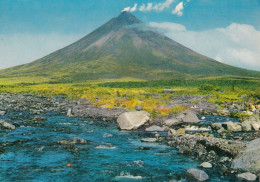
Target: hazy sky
[[226, 30]]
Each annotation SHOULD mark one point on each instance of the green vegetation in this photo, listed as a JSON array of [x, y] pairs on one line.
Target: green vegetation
[[207, 85], [128, 94]]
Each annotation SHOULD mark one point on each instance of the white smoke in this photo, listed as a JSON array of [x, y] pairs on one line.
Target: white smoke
[[129, 9]]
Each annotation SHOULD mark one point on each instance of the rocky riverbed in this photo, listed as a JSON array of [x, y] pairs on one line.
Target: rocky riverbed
[[199, 133]]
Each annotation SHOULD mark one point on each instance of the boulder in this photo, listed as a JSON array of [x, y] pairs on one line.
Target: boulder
[[156, 128], [233, 126], [2, 113], [7, 125], [246, 177], [196, 174], [224, 112], [172, 132], [246, 126], [190, 117], [69, 113], [172, 122], [249, 160], [132, 120], [255, 125], [216, 126], [205, 165]]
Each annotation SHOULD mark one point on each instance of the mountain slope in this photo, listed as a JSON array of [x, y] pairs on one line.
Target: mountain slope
[[120, 48]]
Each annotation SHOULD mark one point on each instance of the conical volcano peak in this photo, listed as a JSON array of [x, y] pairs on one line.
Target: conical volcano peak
[[119, 49], [126, 18]]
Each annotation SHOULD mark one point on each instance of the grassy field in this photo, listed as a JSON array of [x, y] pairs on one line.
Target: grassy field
[[128, 93]]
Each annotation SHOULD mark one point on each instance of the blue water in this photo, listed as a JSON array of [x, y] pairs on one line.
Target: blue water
[[111, 155]]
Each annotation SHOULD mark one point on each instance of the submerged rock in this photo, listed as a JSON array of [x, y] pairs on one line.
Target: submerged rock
[[133, 120], [148, 139], [7, 125], [249, 160], [73, 141], [198, 175]]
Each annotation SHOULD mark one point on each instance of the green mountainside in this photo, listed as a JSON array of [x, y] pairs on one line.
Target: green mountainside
[[119, 49]]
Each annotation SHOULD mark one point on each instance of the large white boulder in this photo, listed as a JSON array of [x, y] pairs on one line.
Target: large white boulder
[[132, 120], [249, 160]]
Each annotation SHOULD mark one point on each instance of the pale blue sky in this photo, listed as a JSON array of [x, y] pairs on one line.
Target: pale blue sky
[[38, 27]]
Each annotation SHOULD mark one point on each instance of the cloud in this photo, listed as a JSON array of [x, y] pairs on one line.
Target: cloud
[[178, 9], [236, 44], [133, 9], [18, 49], [156, 7]]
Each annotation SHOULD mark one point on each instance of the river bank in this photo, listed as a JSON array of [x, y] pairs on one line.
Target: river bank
[[217, 146]]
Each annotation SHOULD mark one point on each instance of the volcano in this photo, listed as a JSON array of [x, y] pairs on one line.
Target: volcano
[[124, 47]]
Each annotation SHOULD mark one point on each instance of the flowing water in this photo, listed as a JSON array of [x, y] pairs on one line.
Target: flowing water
[[31, 153]]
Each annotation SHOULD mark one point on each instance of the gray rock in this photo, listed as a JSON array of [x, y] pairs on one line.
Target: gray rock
[[190, 117], [139, 108], [198, 175], [220, 130], [205, 165], [255, 125], [69, 113], [249, 160], [2, 113], [172, 132], [233, 126], [224, 159], [172, 122], [168, 91], [246, 176], [216, 126], [132, 120], [224, 112], [156, 128], [7, 125], [246, 126]]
